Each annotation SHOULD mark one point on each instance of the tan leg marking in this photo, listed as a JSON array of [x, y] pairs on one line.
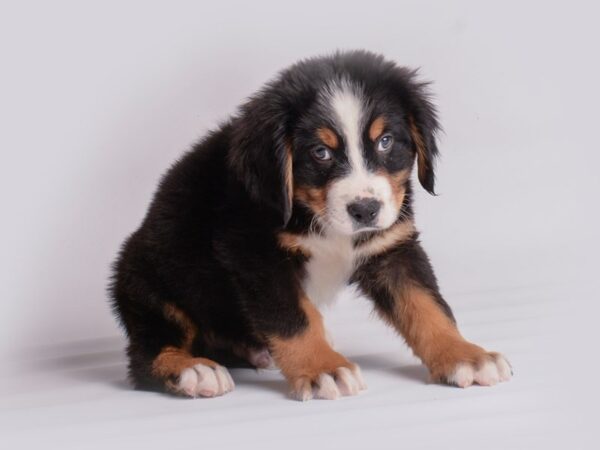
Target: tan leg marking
[[308, 361], [188, 328], [436, 340]]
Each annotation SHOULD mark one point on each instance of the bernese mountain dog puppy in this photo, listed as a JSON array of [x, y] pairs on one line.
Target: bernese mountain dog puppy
[[306, 189]]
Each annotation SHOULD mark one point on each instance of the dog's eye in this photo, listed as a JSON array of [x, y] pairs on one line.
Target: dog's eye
[[321, 153], [385, 143]]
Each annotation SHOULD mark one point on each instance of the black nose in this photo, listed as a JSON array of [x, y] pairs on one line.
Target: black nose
[[364, 211]]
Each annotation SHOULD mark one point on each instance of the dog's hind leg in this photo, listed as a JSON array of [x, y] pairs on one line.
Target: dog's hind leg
[[160, 357]]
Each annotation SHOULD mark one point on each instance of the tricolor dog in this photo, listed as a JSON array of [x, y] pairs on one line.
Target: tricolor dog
[[305, 190]]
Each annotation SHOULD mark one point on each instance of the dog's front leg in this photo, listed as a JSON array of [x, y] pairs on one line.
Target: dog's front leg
[[403, 287], [283, 316], [309, 363]]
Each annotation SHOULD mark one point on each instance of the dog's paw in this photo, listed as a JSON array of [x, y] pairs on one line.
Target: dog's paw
[[204, 381], [343, 381], [487, 369], [261, 359]]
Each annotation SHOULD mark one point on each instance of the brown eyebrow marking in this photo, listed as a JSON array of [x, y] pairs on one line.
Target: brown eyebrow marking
[[328, 137], [376, 128]]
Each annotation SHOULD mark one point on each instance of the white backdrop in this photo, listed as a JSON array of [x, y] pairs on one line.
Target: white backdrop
[[98, 98]]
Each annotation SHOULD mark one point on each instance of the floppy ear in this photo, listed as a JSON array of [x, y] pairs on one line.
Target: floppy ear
[[423, 137], [261, 156], [422, 118]]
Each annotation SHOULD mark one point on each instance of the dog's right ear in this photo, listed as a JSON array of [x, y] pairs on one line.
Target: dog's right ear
[[261, 156]]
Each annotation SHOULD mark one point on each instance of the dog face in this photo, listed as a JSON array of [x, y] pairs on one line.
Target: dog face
[[352, 158], [344, 134]]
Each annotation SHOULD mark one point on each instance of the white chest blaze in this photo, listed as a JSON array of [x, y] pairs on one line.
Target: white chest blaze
[[329, 268], [334, 258]]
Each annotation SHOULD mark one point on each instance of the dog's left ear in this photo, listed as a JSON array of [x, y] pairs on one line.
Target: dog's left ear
[[423, 136], [261, 155], [422, 121]]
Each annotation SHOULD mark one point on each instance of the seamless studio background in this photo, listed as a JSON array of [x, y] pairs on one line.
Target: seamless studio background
[[97, 99]]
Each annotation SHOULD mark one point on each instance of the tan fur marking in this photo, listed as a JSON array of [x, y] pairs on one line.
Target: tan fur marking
[[291, 242], [307, 355], [376, 128], [431, 334], [398, 183], [289, 178], [171, 361], [421, 150], [391, 237], [328, 137], [314, 198], [188, 328]]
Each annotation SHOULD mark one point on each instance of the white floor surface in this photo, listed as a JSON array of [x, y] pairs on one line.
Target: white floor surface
[[75, 395]]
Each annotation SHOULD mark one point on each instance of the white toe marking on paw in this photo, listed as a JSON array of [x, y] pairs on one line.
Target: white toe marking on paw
[[346, 381], [343, 382], [493, 371], [504, 369], [359, 378], [463, 375], [224, 379], [326, 387], [204, 381], [487, 375], [207, 386], [302, 390], [188, 381]]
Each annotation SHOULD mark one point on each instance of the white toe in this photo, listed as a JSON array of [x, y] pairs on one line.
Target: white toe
[[492, 371], [204, 381], [487, 375], [208, 385], [504, 369], [463, 375], [224, 380], [347, 383], [326, 387], [187, 382], [302, 390], [359, 378], [343, 382]]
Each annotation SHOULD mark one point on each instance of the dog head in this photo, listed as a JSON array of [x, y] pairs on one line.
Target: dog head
[[337, 136]]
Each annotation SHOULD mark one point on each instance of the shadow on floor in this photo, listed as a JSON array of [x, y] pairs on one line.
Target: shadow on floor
[[103, 361], [386, 362]]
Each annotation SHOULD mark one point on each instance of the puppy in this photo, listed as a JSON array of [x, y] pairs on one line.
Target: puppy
[[305, 190]]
